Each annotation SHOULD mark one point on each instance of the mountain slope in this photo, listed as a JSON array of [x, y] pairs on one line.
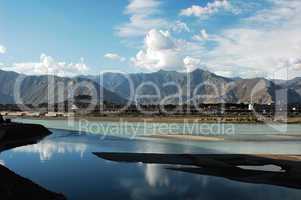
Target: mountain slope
[[164, 83], [48, 89], [197, 86]]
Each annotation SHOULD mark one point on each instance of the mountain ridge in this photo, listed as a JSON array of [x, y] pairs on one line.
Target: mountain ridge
[[231, 90], [36, 89], [198, 86]]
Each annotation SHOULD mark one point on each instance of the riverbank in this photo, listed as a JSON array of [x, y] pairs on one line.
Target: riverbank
[[228, 138], [171, 119]]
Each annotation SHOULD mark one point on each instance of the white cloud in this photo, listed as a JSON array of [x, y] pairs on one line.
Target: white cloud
[[290, 68], [191, 63], [143, 17], [203, 35], [268, 41], [209, 9], [160, 52], [2, 49], [260, 46], [295, 63], [224, 73], [143, 7], [159, 40], [48, 65], [281, 12], [114, 56], [179, 27]]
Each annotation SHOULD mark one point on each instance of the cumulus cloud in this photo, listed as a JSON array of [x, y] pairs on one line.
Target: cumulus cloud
[[143, 16], [160, 52], [2, 49], [261, 46], [203, 35], [250, 50], [114, 56], [191, 63], [209, 9], [48, 65], [266, 40]]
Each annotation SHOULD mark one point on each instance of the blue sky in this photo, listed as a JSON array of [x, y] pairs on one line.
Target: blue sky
[[228, 37]]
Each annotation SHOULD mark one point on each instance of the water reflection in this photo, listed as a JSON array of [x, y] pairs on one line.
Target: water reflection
[[2, 162], [46, 149], [13, 186], [155, 176], [69, 166], [223, 165]]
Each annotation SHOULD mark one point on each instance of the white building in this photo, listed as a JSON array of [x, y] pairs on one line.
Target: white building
[[251, 107]]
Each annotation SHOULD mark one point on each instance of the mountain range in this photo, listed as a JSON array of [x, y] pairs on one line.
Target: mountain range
[[203, 87], [37, 90], [174, 87]]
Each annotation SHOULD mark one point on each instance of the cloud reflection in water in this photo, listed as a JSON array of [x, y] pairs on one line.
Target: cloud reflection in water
[[46, 149]]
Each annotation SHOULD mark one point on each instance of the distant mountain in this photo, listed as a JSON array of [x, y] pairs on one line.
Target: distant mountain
[[294, 84], [197, 86], [48, 89], [258, 90], [200, 86], [167, 83], [7, 82]]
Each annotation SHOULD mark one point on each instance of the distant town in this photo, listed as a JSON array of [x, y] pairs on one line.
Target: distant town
[[226, 112]]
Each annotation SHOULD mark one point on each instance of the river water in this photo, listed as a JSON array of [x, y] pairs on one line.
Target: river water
[[63, 162]]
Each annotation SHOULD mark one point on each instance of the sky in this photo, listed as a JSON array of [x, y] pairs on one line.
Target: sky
[[232, 38]]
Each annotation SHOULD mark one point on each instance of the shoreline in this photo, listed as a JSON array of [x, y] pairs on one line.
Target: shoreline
[[166, 119], [187, 137], [227, 138]]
